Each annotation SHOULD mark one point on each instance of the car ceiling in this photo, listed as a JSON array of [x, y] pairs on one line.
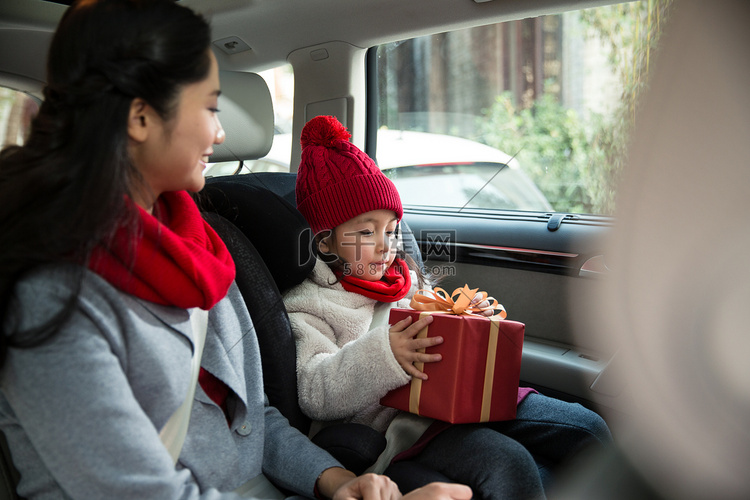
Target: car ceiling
[[273, 29]]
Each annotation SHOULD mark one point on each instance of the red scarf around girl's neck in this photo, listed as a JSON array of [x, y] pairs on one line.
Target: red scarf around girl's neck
[[392, 287], [176, 259]]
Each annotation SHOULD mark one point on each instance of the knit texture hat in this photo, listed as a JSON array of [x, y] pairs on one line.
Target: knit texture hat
[[336, 181]]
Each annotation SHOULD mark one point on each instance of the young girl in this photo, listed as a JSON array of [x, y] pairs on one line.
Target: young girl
[[105, 266], [348, 356]]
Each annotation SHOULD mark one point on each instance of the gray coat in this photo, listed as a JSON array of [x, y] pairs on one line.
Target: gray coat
[[82, 411]]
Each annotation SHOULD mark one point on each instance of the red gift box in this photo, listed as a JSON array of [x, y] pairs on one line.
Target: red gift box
[[477, 378]]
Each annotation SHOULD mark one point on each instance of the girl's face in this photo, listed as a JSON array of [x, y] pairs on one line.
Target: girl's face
[[366, 244], [171, 155]]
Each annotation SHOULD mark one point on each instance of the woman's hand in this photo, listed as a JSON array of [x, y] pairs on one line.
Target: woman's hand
[[341, 484], [376, 487], [406, 348]]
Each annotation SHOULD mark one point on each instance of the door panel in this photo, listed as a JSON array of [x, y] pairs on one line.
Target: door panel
[[536, 273]]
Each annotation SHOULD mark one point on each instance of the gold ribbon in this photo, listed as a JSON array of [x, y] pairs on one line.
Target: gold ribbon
[[415, 390], [416, 383], [489, 370], [459, 302]]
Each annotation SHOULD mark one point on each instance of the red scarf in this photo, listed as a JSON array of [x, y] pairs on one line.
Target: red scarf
[[175, 260], [392, 287]]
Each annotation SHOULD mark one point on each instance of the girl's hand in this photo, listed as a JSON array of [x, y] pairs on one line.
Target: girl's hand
[[440, 491], [484, 304], [405, 347]]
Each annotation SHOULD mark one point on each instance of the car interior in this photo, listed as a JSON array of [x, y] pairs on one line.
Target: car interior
[[553, 270]]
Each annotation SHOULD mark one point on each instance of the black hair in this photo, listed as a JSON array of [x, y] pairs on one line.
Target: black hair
[[63, 191]]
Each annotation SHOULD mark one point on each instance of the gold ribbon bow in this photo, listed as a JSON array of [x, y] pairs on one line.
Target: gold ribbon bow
[[459, 302]]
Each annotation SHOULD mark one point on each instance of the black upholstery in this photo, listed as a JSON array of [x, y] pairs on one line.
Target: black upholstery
[[278, 231], [281, 183], [8, 473]]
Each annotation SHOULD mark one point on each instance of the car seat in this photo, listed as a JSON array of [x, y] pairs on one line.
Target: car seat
[[254, 215]]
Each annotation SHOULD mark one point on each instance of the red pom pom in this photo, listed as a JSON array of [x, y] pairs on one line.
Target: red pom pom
[[323, 131]]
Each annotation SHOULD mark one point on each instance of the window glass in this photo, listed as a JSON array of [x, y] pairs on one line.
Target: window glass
[[531, 114], [280, 81], [16, 112]]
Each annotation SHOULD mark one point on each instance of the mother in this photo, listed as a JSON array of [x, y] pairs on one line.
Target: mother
[[104, 265]]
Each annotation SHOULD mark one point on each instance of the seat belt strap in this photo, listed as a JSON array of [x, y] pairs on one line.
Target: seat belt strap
[[174, 431]]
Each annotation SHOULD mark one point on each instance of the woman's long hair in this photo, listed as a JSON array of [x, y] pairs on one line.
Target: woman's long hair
[[63, 191]]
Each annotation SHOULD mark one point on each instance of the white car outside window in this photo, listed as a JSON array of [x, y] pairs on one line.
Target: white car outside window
[[429, 170]]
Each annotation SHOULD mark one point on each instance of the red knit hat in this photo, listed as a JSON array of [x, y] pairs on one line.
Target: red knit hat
[[336, 181]]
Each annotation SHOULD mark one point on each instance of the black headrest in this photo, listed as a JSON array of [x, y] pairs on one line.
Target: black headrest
[[274, 226]]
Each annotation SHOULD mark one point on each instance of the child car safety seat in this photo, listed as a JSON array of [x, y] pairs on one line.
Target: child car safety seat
[[267, 219], [255, 216]]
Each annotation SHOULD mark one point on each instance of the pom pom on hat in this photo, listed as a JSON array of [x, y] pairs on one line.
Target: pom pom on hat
[[323, 131], [336, 181]]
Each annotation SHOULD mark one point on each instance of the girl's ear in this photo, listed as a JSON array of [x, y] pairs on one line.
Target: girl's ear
[[139, 120], [326, 247], [323, 245]]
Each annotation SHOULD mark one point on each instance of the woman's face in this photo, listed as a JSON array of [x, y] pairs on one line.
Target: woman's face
[[366, 244], [173, 153]]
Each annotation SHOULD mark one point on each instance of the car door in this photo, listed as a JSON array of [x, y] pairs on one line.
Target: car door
[[543, 268]]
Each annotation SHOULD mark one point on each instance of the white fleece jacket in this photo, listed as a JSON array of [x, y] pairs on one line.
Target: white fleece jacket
[[344, 366]]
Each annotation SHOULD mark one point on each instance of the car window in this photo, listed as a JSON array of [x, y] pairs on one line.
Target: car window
[[556, 94], [459, 172], [16, 112]]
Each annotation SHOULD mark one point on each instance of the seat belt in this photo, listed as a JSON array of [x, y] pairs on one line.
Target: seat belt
[[174, 431]]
